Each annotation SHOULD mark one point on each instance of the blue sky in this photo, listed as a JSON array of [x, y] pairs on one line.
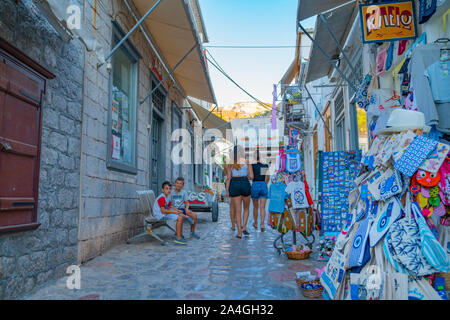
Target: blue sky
[[249, 22]]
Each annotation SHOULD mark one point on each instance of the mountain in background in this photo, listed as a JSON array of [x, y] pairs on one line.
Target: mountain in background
[[241, 110]]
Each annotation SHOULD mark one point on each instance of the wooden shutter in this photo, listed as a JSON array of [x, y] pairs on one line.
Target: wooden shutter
[[21, 93]]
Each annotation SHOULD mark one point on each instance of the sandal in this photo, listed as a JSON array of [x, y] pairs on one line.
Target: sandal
[[245, 232], [263, 229], [238, 236], [255, 226]]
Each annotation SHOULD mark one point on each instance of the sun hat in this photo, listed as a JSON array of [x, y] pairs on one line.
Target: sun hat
[[402, 119]]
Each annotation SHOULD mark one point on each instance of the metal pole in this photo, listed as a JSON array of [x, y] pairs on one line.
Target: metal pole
[[338, 44], [169, 74], [129, 33], [320, 113], [328, 58]]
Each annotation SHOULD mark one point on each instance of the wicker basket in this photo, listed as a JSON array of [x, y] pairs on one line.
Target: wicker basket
[[297, 255], [312, 293]]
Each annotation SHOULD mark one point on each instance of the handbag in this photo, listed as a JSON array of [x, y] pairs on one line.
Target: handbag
[[293, 161], [333, 274], [406, 246], [361, 95], [421, 290], [431, 248], [359, 253], [415, 154], [385, 185], [391, 211]]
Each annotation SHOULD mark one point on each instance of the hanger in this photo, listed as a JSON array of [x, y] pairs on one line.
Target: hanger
[[422, 38], [444, 51], [444, 17]]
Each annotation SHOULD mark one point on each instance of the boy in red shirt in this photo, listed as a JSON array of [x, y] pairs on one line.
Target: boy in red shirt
[[163, 210]]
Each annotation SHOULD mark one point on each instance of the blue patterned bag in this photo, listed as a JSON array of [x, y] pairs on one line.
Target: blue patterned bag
[[431, 248], [358, 253], [406, 246], [414, 155]]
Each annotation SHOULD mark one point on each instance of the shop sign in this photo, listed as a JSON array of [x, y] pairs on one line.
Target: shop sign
[[388, 21]]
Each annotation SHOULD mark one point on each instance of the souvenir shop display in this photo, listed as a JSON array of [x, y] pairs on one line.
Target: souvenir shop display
[[395, 244], [290, 204], [338, 172]]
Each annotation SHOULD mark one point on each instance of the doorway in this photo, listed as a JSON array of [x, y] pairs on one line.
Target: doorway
[[156, 151]]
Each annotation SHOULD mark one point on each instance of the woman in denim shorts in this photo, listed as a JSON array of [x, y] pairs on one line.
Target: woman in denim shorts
[[260, 192], [238, 187]]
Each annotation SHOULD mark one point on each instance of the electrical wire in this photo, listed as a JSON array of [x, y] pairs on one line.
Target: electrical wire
[[253, 47], [220, 69]]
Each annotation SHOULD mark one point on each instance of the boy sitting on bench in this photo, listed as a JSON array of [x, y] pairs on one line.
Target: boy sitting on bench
[[163, 210], [180, 200]]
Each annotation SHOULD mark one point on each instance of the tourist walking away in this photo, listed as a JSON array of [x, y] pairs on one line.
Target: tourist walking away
[[180, 200], [239, 188], [163, 210], [232, 211], [260, 191]]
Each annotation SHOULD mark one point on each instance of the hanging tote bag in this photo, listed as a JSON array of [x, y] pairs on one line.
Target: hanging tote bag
[[359, 253], [293, 161], [431, 248], [333, 275], [406, 246], [391, 211]]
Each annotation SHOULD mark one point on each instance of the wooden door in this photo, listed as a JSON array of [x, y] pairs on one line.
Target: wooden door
[[21, 94]]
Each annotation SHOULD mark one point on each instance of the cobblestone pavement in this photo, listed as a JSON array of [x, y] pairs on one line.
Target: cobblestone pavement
[[218, 266]]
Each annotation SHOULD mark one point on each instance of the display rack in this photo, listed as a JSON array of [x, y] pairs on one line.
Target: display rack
[[279, 243]]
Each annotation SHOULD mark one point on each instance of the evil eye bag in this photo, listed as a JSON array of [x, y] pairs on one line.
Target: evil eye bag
[[293, 161]]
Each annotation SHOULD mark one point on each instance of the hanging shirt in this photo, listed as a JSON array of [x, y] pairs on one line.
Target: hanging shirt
[[421, 58], [277, 196], [438, 75], [298, 194]]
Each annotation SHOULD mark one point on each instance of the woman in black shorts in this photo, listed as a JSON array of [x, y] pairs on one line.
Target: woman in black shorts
[[238, 187]]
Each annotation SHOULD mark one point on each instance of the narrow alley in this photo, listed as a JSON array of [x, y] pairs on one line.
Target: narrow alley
[[216, 267]]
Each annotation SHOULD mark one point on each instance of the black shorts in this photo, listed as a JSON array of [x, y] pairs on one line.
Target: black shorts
[[240, 186]]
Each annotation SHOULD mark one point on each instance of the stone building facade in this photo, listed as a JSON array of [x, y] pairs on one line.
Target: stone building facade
[[87, 194], [110, 211], [30, 258]]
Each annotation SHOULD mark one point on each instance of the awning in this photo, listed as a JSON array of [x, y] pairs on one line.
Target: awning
[[212, 121], [290, 73], [309, 8], [339, 21], [173, 29]]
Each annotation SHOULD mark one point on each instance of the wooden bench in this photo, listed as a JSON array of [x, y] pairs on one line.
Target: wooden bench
[[147, 200]]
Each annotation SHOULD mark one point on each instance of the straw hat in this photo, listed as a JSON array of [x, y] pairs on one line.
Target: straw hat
[[402, 119]]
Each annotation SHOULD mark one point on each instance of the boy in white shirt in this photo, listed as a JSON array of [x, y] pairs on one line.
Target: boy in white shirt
[[163, 210]]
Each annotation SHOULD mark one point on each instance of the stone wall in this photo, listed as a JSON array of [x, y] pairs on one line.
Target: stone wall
[[110, 211], [29, 259]]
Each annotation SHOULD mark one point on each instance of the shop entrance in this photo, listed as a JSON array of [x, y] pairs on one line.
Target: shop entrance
[[156, 159]]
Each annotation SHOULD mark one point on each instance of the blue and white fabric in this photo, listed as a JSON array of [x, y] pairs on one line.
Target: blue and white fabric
[[414, 155]]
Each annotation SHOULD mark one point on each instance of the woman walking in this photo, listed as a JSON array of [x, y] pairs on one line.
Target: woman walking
[[260, 191], [238, 188], [232, 212]]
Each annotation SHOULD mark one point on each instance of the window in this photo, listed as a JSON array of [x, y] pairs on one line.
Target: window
[[122, 109]]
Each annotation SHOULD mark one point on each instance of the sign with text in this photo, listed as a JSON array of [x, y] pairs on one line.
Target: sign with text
[[390, 21]]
